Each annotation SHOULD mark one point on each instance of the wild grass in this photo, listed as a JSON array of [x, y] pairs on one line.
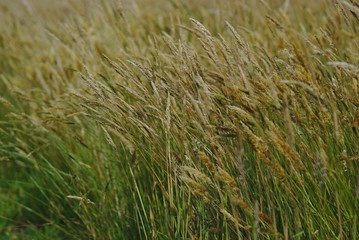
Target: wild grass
[[179, 119]]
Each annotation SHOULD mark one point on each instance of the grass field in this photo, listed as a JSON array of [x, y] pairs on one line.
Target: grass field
[[168, 119]]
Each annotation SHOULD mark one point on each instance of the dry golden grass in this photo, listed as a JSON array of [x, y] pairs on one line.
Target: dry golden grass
[[181, 119]]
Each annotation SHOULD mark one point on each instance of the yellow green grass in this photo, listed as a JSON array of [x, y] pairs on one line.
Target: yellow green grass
[[179, 119]]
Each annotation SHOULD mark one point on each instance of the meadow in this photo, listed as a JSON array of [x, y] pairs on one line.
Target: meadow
[[179, 119]]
